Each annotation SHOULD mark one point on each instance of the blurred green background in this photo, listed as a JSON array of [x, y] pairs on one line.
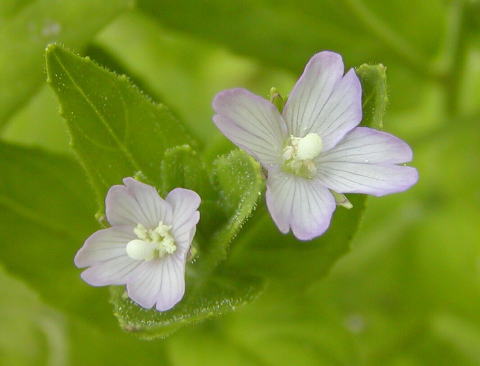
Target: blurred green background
[[407, 293]]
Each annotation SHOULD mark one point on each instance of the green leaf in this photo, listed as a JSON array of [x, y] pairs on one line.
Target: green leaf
[[25, 315], [240, 182], [94, 346], [48, 334], [45, 215], [26, 28], [374, 94], [181, 71], [116, 131], [291, 32], [283, 327], [183, 167], [286, 34], [102, 56], [100, 109], [285, 258], [223, 293], [267, 252]]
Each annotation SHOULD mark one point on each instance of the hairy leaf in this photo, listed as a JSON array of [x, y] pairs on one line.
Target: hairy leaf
[[221, 294], [116, 130], [239, 180], [374, 94], [183, 167]]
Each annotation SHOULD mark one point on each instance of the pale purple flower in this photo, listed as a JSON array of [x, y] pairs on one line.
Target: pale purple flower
[[314, 147], [146, 247]]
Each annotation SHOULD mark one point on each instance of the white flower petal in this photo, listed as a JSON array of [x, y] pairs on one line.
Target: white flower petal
[[252, 123], [136, 203], [192, 232], [172, 291], [184, 234], [104, 245], [111, 272], [185, 215], [374, 179], [363, 162], [184, 203], [323, 101], [304, 205], [366, 145], [143, 285], [159, 282]]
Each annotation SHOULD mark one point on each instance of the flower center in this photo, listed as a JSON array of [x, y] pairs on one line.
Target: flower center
[[299, 154], [151, 243]]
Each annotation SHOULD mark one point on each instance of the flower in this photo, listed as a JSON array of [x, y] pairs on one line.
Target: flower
[[146, 247], [313, 146]]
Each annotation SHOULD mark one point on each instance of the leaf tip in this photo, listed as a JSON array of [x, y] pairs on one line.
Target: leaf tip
[[54, 49], [51, 47]]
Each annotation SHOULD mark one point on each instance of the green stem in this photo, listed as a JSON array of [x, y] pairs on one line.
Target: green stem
[[456, 48], [249, 230], [405, 51]]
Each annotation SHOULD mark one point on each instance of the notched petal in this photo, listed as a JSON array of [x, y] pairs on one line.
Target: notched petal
[[185, 204], [324, 101], [135, 203], [252, 123], [303, 205]]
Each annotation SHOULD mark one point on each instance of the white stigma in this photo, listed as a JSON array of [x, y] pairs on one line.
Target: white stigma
[[140, 250], [309, 147], [151, 243], [299, 155]]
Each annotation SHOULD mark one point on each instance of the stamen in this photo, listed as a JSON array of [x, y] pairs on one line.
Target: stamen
[[151, 243], [299, 154]]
